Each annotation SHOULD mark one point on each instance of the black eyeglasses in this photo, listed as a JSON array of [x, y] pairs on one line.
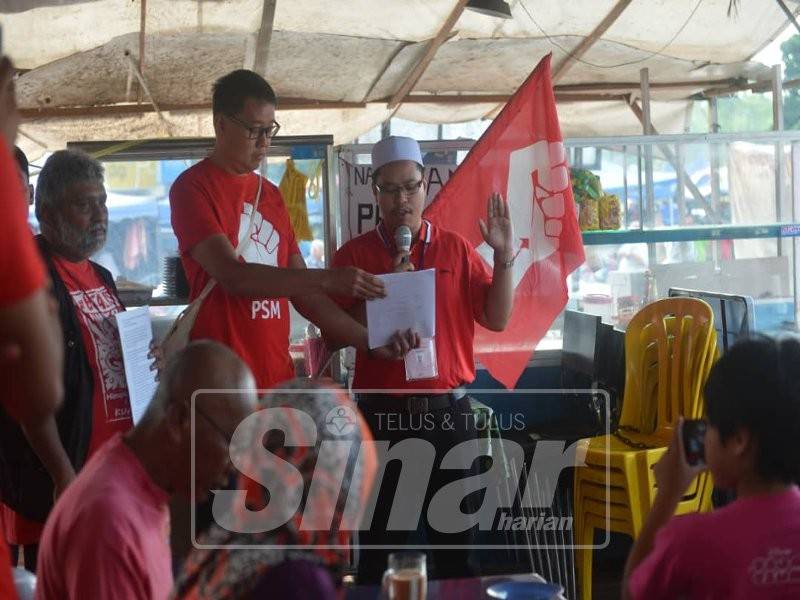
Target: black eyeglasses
[[408, 189], [255, 132]]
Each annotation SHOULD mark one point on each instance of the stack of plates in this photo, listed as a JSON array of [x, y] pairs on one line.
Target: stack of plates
[[174, 278]]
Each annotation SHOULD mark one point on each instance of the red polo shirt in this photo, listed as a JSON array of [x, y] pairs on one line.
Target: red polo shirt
[[462, 282]]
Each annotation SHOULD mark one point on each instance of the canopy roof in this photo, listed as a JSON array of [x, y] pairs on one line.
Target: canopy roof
[[342, 67]]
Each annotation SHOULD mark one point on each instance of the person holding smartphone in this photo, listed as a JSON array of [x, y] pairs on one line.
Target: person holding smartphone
[[751, 547]]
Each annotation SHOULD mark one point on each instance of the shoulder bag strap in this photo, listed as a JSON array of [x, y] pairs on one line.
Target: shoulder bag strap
[[240, 247]]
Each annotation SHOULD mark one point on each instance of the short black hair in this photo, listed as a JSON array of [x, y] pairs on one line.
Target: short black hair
[[231, 91], [22, 161], [755, 386]]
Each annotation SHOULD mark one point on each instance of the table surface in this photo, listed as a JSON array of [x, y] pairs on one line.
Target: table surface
[[473, 588]]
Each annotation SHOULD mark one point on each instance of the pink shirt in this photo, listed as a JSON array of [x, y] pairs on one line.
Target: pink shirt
[[749, 549], [107, 536]]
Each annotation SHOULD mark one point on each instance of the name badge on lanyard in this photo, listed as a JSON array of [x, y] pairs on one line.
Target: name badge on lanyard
[[420, 362]]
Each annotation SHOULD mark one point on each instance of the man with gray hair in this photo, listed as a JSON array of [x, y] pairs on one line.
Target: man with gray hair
[[107, 535], [41, 461]]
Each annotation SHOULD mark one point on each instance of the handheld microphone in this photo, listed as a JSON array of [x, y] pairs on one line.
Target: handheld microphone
[[402, 239]]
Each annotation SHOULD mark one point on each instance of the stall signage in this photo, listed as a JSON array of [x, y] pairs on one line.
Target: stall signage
[[790, 230], [358, 210]]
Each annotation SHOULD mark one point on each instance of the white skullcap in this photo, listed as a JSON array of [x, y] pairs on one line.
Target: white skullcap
[[395, 148]]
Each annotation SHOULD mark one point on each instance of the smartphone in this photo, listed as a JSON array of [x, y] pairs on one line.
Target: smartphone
[[694, 433]]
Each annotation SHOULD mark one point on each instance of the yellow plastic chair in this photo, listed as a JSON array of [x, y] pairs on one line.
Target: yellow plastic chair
[[670, 346]]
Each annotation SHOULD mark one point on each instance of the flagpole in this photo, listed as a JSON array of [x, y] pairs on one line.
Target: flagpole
[[648, 218]]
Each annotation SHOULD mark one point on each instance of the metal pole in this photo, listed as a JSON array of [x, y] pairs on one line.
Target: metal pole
[[330, 209], [650, 212], [627, 221], [713, 127], [795, 215], [682, 212], [777, 125]]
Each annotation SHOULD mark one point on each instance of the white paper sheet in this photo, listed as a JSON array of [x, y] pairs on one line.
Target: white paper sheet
[[410, 303], [135, 334]]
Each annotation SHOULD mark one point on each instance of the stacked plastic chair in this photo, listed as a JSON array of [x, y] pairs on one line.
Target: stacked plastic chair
[[670, 346]]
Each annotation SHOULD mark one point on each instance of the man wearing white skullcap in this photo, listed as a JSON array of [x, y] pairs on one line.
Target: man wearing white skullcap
[[432, 403]]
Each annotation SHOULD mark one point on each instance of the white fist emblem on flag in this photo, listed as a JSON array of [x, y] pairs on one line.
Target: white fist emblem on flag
[[537, 177], [264, 238]]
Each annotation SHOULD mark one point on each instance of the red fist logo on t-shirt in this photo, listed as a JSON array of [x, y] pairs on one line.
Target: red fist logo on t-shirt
[[264, 240]]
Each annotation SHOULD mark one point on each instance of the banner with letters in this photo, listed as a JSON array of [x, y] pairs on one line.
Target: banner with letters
[[358, 210]]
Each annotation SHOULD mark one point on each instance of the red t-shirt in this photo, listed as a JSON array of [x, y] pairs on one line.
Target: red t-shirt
[[108, 535], [18, 530], [748, 550], [462, 283], [96, 306], [22, 273], [7, 589], [206, 201]]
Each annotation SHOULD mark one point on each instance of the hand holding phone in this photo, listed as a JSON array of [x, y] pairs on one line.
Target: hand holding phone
[[694, 433]]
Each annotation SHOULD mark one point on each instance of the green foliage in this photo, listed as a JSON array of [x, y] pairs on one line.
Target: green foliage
[[791, 98], [746, 111], [739, 113]]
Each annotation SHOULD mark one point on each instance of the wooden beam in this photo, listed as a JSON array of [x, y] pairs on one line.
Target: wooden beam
[[634, 85], [430, 51], [755, 87], [56, 112], [589, 41], [142, 26], [644, 87], [789, 14], [385, 68], [713, 92], [264, 37], [767, 86], [503, 98], [777, 98], [569, 98]]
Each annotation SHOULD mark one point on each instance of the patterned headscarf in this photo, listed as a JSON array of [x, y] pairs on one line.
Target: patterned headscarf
[[322, 414]]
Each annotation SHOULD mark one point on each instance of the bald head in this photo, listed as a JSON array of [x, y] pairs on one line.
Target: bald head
[[167, 434], [207, 365]]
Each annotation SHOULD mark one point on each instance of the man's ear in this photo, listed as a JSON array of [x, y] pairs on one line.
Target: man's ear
[[219, 124], [740, 442]]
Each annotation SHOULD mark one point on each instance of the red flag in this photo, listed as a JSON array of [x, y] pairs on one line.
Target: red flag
[[522, 156]]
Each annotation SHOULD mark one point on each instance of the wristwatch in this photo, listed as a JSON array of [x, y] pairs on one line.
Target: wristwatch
[[506, 264]]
